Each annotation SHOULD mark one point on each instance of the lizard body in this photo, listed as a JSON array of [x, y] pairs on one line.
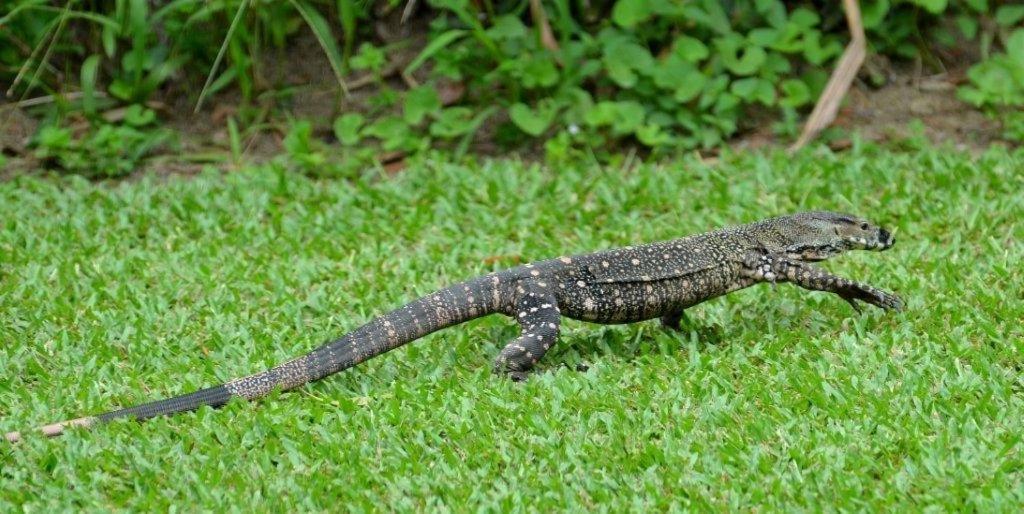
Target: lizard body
[[625, 285]]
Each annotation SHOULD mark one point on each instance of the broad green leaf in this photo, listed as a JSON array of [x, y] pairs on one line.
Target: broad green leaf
[[968, 25], [508, 27], [120, 89], [873, 12], [774, 11], [1015, 50], [712, 89], [763, 37], [628, 13], [601, 114], [393, 132], [817, 53], [419, 102], [539, 70], [669, 73], [977, 5], [932, 6], [690, 49], [709, 14], [795, 93], [369, 57], [653, 135], [1009, 15], [622, 117], [533, 122], [452, 122], [622, 58], [138, 116], [754, 89], [346, 128], [738, 57], [690, 88], [804, 18]]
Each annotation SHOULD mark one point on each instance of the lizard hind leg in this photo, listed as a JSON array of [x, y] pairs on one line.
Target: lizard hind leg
[[673, 320], [538, 316]]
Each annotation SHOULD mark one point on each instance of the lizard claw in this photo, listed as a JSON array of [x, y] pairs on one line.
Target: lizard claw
[[876, 297], [853, 303], [517, 376]]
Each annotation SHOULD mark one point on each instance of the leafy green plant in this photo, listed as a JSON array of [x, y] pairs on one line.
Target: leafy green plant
[[663, 74], [106, 150], [998, 80], [132, 48], [639, 77]]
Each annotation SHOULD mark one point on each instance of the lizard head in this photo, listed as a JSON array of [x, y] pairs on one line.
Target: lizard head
[[816, 236]]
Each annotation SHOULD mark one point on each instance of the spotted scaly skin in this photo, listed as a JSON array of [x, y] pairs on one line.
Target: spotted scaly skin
[[626, 285]]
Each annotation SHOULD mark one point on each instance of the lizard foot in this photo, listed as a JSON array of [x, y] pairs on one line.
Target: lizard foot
[[509, 368], [873, 296], [502, 367], [674, 321]]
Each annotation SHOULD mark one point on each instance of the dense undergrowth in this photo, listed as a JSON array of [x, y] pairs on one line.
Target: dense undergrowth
[[582, 76]]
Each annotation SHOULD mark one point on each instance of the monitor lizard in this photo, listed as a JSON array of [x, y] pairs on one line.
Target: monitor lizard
[[624, 285]]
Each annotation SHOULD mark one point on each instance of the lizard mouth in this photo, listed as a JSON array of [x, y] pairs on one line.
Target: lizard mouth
[[883, 241]]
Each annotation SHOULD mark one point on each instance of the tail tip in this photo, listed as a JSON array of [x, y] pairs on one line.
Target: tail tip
[[54, 429]]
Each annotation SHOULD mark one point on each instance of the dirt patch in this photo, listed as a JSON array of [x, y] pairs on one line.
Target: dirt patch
[[886, 113]]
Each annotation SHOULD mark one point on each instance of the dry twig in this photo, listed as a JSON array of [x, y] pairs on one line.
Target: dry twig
[[839, 83], [540, 18]]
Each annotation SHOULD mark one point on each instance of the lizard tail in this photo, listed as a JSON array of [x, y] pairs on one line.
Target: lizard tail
[[444, 308]]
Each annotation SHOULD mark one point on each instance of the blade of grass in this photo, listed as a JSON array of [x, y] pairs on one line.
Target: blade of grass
[[474, 24], [220, 53], [88, 79], [51, 34], [323, 35], [235, 140], [347, 14], [433, 47], [31, 4], [474, 125]]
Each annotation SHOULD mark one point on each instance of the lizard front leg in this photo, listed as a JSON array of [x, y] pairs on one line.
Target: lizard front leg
[[539, 318], [779, 268]]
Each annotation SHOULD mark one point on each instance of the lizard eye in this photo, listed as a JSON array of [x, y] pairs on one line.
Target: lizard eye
[[863, 226]]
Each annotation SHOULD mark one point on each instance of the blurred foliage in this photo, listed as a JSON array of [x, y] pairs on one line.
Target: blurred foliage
[[110, 150], [666, 74]]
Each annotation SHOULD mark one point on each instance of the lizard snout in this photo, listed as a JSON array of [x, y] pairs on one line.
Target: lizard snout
[[885, 239]]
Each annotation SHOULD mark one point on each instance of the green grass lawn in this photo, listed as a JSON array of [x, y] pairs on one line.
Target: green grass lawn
[[115, 294]]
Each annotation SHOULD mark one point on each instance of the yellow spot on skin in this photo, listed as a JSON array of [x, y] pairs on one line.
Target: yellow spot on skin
[[535, 273], [635, 262], [565, 260], [581, 283], [604, 264]]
